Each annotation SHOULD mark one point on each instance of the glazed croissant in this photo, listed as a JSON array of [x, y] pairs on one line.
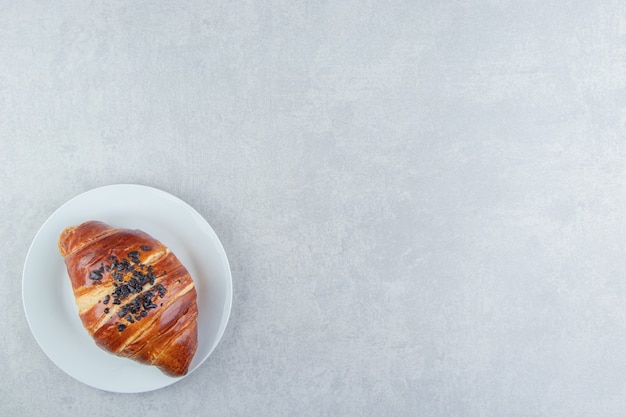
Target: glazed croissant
[[134, 296]]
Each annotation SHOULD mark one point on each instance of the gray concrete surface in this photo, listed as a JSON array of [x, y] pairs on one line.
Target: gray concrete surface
[[423, 202]]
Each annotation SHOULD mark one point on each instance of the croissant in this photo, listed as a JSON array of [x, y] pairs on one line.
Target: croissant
[[134, 297]]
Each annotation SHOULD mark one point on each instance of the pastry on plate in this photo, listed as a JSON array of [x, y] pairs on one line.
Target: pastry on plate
[[134, 297]]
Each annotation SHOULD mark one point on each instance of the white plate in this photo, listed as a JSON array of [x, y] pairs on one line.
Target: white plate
[[49, 302]]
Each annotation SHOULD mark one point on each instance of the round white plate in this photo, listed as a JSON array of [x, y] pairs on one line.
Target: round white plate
[[49, 302]]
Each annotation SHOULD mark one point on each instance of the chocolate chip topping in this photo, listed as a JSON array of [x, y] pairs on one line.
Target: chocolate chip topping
[[132, 281]]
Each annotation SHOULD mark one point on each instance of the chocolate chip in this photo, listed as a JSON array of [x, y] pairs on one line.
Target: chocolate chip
[[95, 275], [123, 311], [121, 327], [106, 310], [134, 285], [146, 248], [134, 306], [161, 289]]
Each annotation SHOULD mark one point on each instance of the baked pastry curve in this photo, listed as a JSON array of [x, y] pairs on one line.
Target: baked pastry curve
[[134, 297]]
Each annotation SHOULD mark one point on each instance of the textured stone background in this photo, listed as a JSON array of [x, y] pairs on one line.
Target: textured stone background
[[422, 202]]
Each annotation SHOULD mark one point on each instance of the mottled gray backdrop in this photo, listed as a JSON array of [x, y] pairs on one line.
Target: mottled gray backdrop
[[423, 202]]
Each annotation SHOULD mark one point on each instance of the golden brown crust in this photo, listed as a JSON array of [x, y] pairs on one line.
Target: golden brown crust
[[134, 297]]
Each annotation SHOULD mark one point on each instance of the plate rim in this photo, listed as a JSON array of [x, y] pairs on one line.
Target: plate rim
[[228, 302]]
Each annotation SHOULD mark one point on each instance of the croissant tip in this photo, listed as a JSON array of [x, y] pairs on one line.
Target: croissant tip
[[63, 239], [173, 374]]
